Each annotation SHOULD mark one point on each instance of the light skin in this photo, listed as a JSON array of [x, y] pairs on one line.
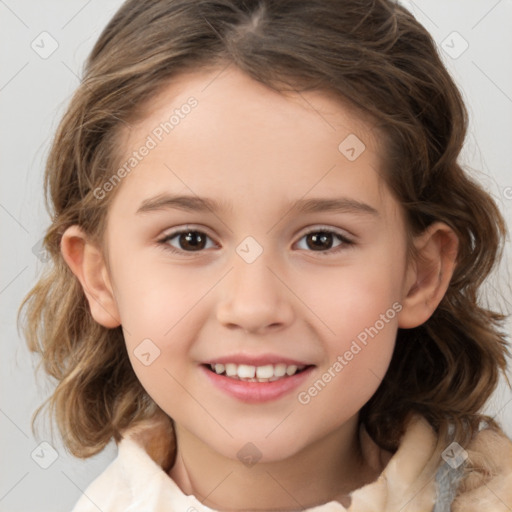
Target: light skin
[[259, 151]]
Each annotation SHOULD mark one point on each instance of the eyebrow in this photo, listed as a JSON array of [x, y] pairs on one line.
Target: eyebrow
[[205, 204]]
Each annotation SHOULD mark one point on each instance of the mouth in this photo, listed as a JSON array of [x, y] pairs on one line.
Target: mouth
[[261, 374]]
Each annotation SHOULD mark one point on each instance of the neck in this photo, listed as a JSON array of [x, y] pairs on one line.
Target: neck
[[326, 470]]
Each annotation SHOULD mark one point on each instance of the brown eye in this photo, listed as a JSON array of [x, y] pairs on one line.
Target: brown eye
[[185, 241], [192, 240], [324, 240]]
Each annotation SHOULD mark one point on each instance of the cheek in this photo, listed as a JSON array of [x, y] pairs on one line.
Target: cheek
[[360, 307], [349, 379], [354, 298], [152, 295], [156, 310]]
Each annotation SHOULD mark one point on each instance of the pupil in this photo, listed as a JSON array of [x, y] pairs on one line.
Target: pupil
[[188, 239], [323, 238]]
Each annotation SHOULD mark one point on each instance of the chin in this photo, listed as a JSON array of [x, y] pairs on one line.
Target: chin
[[250, 449]]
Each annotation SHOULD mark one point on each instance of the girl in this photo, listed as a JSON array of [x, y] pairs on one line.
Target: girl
[[265, 266]]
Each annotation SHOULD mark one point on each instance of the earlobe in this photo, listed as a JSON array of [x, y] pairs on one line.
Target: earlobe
[[429, 275], [86, 262]]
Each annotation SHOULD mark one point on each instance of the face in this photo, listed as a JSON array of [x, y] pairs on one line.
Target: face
[[288, 257]]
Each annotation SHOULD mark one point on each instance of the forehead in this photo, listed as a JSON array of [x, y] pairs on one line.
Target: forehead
[[231, 92], [217, 132]]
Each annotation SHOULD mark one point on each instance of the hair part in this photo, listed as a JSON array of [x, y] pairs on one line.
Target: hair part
[[376, 58]]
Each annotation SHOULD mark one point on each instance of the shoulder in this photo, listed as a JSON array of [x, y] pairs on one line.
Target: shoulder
[[108, 492], [486, 482], [144, 453], [427, 473]]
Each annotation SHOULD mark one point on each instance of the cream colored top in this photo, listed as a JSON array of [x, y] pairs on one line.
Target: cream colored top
[[415, 479]]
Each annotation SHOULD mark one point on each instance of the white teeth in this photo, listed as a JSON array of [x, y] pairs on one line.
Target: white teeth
[[280, 370], [291, 369], [266, 373], [231, 370], [245, 371]]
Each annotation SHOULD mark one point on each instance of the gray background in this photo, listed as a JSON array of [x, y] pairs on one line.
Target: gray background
[[34, 91]]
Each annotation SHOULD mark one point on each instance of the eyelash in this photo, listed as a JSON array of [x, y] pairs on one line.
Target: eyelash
[[346, 242]]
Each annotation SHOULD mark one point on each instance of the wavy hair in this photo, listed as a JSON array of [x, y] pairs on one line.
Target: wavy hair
[[376, 58]]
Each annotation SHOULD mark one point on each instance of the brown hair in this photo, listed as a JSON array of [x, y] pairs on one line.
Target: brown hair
[[374, 56]]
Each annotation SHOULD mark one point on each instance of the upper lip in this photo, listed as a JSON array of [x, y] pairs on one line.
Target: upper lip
[[256, 360]]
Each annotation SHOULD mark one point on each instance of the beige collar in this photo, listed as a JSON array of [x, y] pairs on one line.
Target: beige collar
[[408, 482]]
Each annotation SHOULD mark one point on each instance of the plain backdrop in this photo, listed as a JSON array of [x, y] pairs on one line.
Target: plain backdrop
[[43, 46]]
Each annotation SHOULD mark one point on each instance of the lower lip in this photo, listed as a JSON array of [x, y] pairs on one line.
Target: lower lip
[[257, 392]]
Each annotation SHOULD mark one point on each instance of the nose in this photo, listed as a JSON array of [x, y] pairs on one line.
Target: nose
[[254, 297]]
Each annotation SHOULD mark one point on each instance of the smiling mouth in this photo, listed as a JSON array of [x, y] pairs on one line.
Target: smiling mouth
[[249, 373]]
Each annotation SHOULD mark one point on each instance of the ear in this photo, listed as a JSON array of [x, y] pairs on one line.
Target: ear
[[87, 263], [429, 275]]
